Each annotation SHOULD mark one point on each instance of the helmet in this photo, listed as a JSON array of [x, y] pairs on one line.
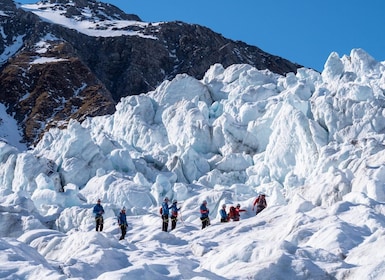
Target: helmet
[[99, 200], [123, 208], [174, 201], [239, 205], [166, 198], [223, 205], [204, 202]]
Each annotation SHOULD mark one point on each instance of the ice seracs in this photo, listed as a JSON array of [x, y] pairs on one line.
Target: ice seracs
[[313, 142]]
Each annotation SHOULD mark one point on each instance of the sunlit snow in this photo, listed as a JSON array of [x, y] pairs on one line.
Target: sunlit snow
[[10, 50], [88, 25]]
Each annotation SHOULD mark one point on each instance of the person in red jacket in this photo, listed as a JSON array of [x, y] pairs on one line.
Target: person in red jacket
[[260, 201], [234, 213]]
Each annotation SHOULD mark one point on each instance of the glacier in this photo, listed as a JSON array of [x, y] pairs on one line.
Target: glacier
[[312, 142]]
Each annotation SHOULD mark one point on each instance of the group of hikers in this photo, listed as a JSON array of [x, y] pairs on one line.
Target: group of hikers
[[233, 214], [122, 219], [165, 212], [171, 212]]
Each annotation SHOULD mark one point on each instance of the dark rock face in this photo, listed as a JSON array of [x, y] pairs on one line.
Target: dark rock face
[[130, 65], [51, 90], [51, 73]]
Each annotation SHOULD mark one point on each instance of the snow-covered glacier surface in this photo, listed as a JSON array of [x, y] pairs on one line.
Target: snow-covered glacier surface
[[312, 142]]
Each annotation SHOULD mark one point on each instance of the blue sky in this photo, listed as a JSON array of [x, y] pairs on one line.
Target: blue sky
[[303, 31]]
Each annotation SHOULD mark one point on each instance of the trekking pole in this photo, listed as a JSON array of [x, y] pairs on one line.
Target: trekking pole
[[181, 216]]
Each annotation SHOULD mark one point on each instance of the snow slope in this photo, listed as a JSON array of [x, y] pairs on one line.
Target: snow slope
[[88, 23], [314, 143]]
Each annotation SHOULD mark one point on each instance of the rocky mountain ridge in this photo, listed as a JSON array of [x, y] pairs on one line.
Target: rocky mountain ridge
[[63, 59]]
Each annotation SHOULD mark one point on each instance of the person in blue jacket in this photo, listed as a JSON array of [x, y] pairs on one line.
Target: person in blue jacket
[[174, 213], [122, 221], [165, 214], [223, 214], [98, 213], [204, 214]]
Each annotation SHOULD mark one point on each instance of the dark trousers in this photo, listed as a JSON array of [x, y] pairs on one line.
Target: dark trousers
[[99, 223], [174, 219], [223, 220], [259, 209], [205, 222], [165, 223], [123, 228]]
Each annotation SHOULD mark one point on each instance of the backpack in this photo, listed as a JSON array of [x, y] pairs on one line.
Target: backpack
[[232, 212], [174, 213]]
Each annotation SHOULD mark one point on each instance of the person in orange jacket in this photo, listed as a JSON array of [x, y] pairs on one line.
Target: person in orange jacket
[[260, 201]]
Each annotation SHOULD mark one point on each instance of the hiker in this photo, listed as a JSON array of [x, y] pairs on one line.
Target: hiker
[[234, 213], [122, 221], [261, 203], [238, 211], [223, 214], [98, 212], [174, 213], [165, 212], [204, 214]]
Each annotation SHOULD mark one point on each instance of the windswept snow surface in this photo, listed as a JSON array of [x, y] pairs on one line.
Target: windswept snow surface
[[314, 143]]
